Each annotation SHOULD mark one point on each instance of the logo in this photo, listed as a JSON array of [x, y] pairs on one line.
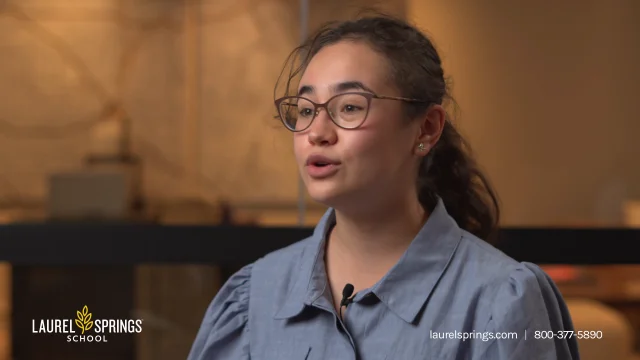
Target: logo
[[84, 319], [85, 329]]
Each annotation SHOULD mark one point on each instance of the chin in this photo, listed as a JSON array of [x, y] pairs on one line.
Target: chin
[[326, 193]]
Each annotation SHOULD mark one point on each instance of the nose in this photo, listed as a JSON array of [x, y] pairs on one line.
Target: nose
[[322, 130]]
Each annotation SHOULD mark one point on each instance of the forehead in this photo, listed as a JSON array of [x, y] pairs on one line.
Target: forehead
[[347, 61]]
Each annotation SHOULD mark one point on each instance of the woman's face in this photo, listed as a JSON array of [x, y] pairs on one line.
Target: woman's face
[[377, 159]]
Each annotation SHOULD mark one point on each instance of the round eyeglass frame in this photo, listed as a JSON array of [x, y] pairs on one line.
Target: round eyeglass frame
[[324, 105]]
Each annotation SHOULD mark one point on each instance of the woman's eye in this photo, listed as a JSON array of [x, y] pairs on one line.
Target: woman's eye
[[350, 108], [305, 112]]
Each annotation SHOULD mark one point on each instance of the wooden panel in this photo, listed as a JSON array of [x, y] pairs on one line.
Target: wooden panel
[[172, 300], [5, 311]]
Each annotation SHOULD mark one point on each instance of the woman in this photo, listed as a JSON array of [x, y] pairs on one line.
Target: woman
[[408, 210]]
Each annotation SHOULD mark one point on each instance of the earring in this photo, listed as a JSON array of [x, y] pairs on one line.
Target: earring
[[421, 147]]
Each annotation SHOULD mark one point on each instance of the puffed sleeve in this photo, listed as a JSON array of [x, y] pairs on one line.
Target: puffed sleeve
[[223, 333], [528, 301]]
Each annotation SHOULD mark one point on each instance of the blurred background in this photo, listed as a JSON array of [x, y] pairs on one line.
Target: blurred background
[[162, 111]]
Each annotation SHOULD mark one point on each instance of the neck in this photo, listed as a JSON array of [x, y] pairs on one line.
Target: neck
[[381, 233]]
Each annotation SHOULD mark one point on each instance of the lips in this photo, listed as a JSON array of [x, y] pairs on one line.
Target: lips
[[320, 160], [320, 166]]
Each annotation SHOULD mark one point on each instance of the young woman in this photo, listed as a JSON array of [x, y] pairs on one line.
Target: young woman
[[398, 268]]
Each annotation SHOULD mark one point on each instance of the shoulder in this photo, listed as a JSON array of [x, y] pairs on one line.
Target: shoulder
[[284, 263], [521, 301], [255, 289], [527, 297], [271, 274], [514, 290], [479, 265], [288, 254], [223, 328], [485, 256], [277, 273], [519, 293]]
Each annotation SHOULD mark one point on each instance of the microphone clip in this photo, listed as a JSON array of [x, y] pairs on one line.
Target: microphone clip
[[346, 302], [346, 295]]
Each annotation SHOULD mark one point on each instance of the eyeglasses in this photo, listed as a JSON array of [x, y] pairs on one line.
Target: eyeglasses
[[346, 110]]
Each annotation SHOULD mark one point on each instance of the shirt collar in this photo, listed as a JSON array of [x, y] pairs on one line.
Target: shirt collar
[[311, 279], [404, 289]]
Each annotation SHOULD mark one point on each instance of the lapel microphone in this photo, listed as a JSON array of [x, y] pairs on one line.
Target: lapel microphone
[[347, 291]]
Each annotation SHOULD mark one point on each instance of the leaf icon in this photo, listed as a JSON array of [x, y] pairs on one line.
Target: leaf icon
[[80, 325], [84, 319]]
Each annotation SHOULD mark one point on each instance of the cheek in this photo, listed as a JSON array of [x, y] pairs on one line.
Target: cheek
[[363, 151], [299, 143], [373, 153]]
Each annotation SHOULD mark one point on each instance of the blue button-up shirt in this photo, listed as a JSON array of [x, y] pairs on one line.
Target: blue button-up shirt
[[450, 296]]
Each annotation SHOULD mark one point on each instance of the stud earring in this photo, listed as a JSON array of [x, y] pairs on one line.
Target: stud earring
[[421, 147]]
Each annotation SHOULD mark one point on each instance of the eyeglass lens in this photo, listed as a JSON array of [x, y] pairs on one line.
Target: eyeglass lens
[[346, 110]]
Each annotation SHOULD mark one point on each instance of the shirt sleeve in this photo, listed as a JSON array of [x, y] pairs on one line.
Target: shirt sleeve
[[526, 304], [223, 333]]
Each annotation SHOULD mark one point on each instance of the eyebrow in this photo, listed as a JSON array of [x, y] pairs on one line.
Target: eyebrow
[[337, 88]]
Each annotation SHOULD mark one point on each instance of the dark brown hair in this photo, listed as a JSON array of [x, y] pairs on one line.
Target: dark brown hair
[[449, 171]]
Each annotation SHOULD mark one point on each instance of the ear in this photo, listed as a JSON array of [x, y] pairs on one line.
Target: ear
[[431, 126]]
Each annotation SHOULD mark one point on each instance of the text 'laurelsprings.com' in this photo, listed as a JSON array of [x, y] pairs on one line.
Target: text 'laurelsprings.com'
[[471, 335]]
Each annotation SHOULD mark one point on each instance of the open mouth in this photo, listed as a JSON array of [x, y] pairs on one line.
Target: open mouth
[[320, 161], [319, 167]]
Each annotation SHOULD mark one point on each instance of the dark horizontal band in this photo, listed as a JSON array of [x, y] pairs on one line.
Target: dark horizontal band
[[96, 244]]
